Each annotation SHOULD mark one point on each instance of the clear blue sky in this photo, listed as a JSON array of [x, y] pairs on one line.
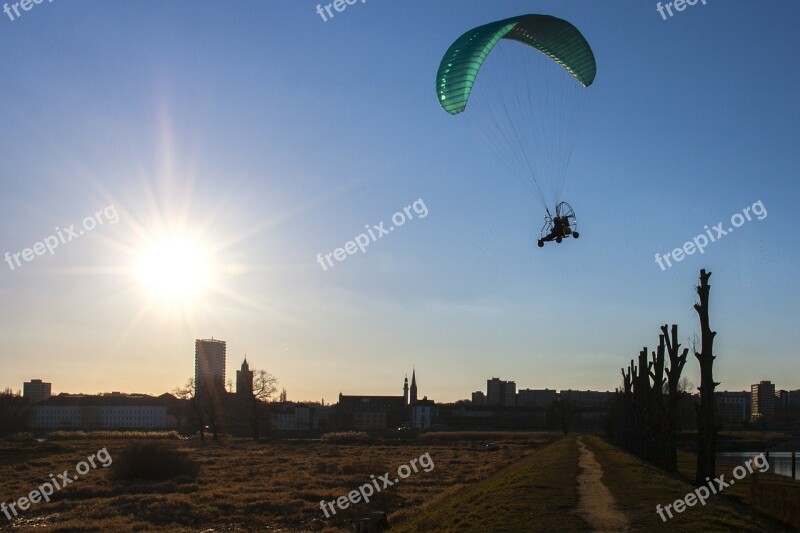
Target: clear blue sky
[[272, 136]]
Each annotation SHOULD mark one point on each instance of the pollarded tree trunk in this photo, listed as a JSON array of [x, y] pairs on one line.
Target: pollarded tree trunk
[[626, 415], [657, 414], [676, 363], [647, 442], [706, 411]]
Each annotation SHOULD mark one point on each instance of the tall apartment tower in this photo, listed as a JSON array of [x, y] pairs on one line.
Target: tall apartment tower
[[500, 392], [244, 380], [762, 399], [36, 390], [209, 365]]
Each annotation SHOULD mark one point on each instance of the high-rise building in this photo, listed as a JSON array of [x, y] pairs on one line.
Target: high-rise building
[[762, 399], [787, 401], [500, 392], [244, 380], [36, 390], [510, 394], [209, 365]]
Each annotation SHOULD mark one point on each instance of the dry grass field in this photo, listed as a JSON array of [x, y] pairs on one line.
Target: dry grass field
[[246, 486]]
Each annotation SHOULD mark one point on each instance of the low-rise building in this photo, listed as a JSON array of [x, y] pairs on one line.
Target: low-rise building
[[423, 414], [733, 407], [106, 411], [290, 416], [478, 398], [364, 413], [536, 398], [587, 399]]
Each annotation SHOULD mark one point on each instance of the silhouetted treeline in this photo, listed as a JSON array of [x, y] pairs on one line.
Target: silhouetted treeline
[[645, 417], [14, 413]]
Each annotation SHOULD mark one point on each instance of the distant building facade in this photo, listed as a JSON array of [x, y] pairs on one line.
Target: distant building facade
[[369, 413], [289, 416], [209, 365], [733, 407], [762, 399], [536, 398], [589, 400], [36, 390], [500, 392], [366, 413], [106, 411], [787, 401], [478, 398], [423, 413]]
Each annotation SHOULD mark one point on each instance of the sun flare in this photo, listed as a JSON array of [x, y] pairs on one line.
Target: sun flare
[[173, 269]]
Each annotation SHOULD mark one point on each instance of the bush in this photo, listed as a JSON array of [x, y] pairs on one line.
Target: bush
[[108, 434], [153, 461], [352, 437]]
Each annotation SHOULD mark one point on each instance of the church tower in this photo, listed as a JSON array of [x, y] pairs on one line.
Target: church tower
[[244, 380], [414, 386], [405, 391]]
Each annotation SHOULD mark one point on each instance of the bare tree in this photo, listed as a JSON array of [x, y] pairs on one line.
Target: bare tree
[[657, 411], [677, 360], [188, 394], [706, 412], [14, 413], [265, 385]]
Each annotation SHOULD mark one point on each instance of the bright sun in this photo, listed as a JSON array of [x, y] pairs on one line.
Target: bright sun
[[174, 269]]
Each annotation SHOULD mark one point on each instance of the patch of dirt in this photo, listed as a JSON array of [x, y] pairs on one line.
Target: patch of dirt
[[596, 504]]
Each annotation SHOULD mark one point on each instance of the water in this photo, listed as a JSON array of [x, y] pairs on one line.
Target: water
[[779, 462]]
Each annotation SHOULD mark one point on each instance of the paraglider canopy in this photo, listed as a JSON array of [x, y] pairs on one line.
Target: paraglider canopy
[[527, 101], [552, 36]]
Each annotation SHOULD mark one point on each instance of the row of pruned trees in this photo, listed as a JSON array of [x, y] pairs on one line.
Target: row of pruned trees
[[647, 408], [645, 417]]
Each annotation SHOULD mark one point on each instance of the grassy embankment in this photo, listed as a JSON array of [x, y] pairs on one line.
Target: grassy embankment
[[638, 487], [539, 494]]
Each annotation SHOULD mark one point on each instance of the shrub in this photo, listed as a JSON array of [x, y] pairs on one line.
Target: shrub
[[354, 437], [153, 461], [108, 434]]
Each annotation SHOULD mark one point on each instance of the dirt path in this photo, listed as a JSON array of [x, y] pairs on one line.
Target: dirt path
[[596, 504]]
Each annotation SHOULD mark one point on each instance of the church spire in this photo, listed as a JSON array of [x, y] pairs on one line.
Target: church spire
[[413, 386]]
